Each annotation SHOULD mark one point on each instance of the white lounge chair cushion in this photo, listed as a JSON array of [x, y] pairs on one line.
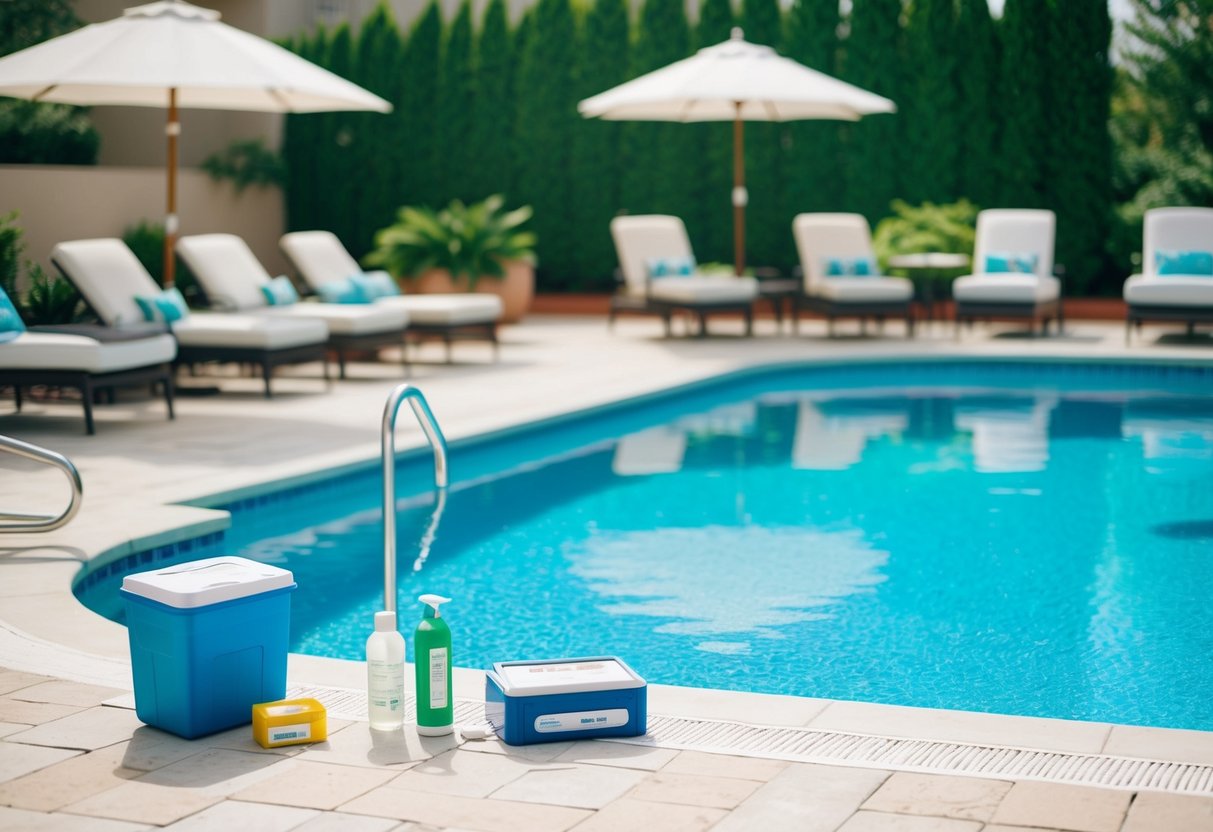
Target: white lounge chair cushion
[[864, 289], [248, 331], [1006, 288], [694, 290], [1169, 290], [109, 276], [343, 318], [54, 351], [447, 310]]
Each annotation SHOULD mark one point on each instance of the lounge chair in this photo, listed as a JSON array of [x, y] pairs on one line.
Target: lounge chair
[[109, 277], [87, 358], [321, 259], [1013, 270], [651, 245], [1176, 280], [840, 273], [232, 278]]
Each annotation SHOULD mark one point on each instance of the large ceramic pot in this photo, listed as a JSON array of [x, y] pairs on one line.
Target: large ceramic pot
[[515, 289]]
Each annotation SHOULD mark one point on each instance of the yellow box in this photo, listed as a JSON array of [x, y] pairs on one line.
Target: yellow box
[[289, 722]]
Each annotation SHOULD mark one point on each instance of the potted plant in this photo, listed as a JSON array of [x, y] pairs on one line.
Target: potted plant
[[473, 248]]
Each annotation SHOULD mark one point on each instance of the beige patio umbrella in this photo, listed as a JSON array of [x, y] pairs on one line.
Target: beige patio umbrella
[[735, 81], [173, 54]]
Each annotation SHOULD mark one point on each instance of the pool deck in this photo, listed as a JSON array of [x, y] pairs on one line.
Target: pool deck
[[73, 753]]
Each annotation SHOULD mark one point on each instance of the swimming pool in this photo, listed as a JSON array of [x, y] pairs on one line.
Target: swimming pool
[[997, 536]]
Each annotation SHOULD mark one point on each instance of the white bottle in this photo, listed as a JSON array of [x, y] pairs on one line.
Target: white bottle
[[385, 674]]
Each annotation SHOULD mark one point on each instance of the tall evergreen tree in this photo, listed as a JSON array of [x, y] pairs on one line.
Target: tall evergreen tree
[[873, 62], [302, 150], [978, 62], [456, 103], [768, 236], [711, 224], [339, 176], [418, 146], [1024, 86], [491, 140], [596, 160], [547, 116], [813, 162], [930, 111]]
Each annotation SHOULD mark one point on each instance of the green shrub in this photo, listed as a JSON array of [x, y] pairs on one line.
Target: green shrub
[[50, 299], [927, 227], [246, 162], [11, 246]]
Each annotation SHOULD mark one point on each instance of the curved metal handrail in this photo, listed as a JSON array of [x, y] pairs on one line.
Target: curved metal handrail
[[387, 444], [42, 522]]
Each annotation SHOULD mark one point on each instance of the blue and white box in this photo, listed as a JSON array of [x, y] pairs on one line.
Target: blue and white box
[[209, 640], [565, 699]]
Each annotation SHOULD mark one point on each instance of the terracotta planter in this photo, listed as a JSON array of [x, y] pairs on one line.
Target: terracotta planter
[[515, 289]]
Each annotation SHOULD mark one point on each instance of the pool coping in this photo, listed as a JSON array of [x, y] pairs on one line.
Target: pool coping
[[104, 658]]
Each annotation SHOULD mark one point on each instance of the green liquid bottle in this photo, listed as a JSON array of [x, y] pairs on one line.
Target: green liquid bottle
[[432, 645]]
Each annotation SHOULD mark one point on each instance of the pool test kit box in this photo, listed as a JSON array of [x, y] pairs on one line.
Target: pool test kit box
[[208, 641], [289, 722], [565, 699]]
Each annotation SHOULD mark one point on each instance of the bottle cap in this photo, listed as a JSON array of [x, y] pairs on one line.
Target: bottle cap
[[385, 622], [432, 602]]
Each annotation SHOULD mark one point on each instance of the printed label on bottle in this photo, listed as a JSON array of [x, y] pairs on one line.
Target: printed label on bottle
[[438, 677], [386, 685], [289, 733]]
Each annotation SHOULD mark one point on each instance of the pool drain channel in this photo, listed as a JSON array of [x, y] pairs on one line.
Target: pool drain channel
[[808, 745]]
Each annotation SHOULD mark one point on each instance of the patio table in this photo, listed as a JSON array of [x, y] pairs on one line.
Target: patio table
[[924, 270]]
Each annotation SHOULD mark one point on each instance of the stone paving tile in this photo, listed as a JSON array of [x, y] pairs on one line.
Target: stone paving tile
[[540, 752], [234, 816], [1080, 808], [1153, 811], [579, 786], [58, 785], [240, 738], [358, 745], [694, 790], [881, 822], [622, 754], [141, 802], [87, 730], [808, 798], [628, 814], [967, 798], [7, 728], [27, 821], [724, 765], [17, 760], [11, 680], [998, 827], [33, 713], [344, 822], [481, 815], [150, 749], [216, 771], [462, 773], [62, 692], [314, 785]]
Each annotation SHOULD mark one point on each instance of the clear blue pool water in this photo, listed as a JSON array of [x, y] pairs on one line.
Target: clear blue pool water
[[1016, 538]]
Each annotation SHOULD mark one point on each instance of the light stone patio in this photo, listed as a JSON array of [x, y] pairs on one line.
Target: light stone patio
[[73, 755]]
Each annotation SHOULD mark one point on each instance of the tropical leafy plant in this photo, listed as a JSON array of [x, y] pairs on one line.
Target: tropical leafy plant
[[11, 246], [469, 241], [246, 162], [50, 300], [927, 227]]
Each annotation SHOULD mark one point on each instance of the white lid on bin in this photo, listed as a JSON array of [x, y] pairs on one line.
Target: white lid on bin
[[580, 675], [200, 583]]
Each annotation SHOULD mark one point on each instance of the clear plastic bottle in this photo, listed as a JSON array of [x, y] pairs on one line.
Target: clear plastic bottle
[[385, 674]]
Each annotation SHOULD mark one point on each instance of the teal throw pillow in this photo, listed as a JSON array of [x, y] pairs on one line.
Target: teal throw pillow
[[339, 291], [11, 324], [1184, 262], [999, 262], [374, 285], [850, 267], [168, 306], [670, 266], [280, 291]]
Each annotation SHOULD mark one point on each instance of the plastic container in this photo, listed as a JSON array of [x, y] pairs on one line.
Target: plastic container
[[289, 722], [385, 674], [208, 641], [432, 663]]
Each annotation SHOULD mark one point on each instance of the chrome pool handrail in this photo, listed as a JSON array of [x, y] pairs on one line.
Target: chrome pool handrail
[[42, 522], [433, 433]]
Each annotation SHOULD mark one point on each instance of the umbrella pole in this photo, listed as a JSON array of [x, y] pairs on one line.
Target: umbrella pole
[[740, 197], [171, 131]]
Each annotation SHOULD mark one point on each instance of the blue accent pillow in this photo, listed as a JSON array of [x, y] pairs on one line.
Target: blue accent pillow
[[280, 291], [168, 306], [1184, 262], [374, 285], [670, 266], [339, 291], [1000, 262], [850, 267], [11, 324]]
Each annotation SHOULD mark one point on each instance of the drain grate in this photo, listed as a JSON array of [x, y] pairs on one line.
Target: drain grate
[[807, 745]]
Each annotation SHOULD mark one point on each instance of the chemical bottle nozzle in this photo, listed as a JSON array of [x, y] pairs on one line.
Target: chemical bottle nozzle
[[432, 603]]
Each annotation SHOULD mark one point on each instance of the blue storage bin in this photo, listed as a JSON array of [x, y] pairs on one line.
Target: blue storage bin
[[208, 641]]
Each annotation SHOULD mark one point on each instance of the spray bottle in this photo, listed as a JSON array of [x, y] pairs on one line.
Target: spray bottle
[[385, 674], [432, 646]]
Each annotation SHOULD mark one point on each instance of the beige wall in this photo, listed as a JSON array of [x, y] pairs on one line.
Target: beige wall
[[72, 202]]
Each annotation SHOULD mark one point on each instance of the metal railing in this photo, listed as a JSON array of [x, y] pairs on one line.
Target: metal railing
[[42, 522], [429, 426]]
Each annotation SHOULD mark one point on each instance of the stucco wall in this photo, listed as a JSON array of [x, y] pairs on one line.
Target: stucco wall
[[72, 202]]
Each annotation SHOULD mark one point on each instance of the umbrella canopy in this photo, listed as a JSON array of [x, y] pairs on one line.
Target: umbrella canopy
[[735, 81], [173, 54]]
